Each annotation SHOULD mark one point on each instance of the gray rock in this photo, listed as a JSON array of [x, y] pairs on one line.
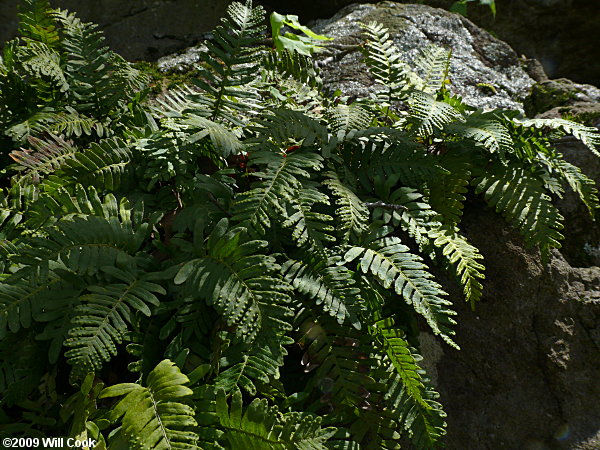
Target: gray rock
[[477, 57]]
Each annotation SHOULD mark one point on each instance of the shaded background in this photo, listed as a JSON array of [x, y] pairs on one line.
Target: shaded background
[[563, 34]]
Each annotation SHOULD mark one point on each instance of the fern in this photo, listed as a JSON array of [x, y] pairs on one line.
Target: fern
[[233, 56], [261, 426], [101, 320], [239, 281], [329, 285], [389, 261], [155, 416], [251, 233], [524, 203], [434, 64]]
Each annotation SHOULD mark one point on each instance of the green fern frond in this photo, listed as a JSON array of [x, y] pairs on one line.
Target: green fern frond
[[345, 120], [330, 285], [83, 245], [429, 115], [280, 185], [589, 136], [104, 316], [405, 159], [395, 268], [261, 426], [156, 416], [447, 191], [310, 229], [104, 164], [385, 64], [404, 207], [282, 127], [522, 200], [259, 363], [233, 56], [71, 123], [434, 65], [21, 300], [37, 23], [483, 128], [583, 186], [41, 62], [98, 79], [240, 282], [352, 212], [464, 259], [421, 416], [340, 362], [287, 64]]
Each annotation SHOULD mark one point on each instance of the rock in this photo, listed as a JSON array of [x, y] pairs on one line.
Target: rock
[[140, 29], [526, 376], [562, 34], [550, 94], [478, 59]]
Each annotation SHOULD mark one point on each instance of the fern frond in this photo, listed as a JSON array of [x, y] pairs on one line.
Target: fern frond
[[464, 259], [447, 191], [339, 358], [521, 199], [104, 164], [345, 120], [385, 63], [287, 64], [280, 185], [258, 363], [222, 138], [104, 316], [404, 207], [328, 284], [405, 159], [282, 127], [240, 282], [352, 212], [310, 229], [45, 157], [263, 427], [395, 268], [37, 23], [483, 128], [20, 301], [71, 123], [421, 416], [589, 136], [40, 61], [428, 114], [434, 65], [583, 186], [83, 245], [233, 56], [156, 417]]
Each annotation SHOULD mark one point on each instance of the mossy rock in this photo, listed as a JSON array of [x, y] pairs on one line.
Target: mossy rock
[[161, 81], [550, 94]]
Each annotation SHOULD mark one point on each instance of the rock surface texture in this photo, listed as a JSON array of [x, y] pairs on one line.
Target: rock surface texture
[[528, 374], [485, 71]]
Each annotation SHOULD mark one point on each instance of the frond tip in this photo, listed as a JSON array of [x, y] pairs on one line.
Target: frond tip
[[156, 416]]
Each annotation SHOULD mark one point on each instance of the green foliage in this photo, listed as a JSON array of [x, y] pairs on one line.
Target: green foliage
[[461, 6], [247, 264]]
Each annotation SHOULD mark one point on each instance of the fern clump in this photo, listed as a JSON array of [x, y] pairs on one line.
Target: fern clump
[[247, 264]]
